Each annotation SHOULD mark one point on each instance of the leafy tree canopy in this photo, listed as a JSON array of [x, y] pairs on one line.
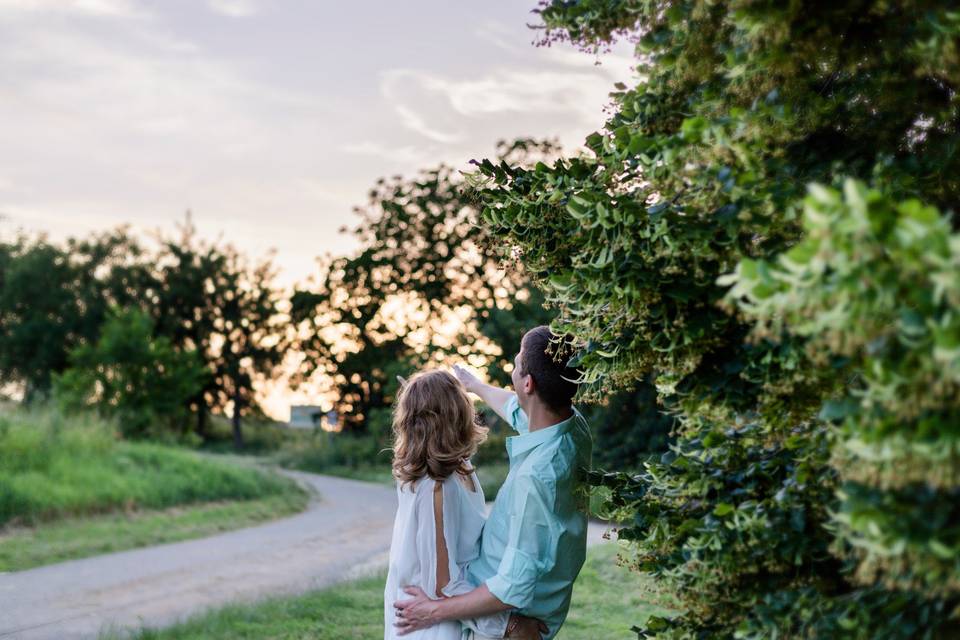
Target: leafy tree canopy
[[425, 287]]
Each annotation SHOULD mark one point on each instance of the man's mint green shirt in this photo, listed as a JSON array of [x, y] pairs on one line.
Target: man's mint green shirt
[[535, 540]]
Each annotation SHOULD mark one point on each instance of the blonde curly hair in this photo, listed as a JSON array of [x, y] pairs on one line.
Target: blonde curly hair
[[434, 428]]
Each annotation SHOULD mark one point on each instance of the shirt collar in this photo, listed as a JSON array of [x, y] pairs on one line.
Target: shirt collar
[[517, 445]]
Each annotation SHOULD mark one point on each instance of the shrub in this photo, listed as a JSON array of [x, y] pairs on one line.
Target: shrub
[[129, 374], [806, 344]]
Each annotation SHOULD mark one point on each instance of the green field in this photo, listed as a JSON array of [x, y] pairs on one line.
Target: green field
[[70, 488], [607, 601]]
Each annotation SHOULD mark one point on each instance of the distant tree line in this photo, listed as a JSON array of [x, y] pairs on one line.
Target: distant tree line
[[158, 336]]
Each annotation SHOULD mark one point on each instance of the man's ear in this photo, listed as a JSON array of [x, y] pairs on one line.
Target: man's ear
[[528, 385]]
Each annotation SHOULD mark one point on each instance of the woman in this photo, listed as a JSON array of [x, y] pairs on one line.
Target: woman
[[441, 506]]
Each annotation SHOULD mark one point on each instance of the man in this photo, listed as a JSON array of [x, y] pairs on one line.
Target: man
[[534, 542]]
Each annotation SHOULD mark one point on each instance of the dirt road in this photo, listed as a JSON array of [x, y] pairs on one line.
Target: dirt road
[[339, 536]]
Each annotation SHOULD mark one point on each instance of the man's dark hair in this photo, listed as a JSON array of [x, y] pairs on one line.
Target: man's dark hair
[[544, 356]]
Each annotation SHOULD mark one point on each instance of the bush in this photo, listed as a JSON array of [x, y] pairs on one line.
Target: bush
[[129, 374], [322, 451], [807, 345], [261, 436]]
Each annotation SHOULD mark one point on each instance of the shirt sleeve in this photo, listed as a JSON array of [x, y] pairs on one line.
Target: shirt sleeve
[[491, 626], [515, 415], [531, 549]]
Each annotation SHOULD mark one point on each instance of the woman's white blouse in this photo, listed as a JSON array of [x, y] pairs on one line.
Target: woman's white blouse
[[413, 553]]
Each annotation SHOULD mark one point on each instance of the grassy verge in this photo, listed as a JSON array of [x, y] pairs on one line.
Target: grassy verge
[[53, 467], [70, 488], [607, 601], [24, 548]]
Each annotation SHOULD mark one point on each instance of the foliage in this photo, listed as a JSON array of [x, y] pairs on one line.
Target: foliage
[[53, 468], [627, 427], [131, 375], [321, 451], [210, 299], [54, 298], [878, 282], [261, 435], [791, 504]]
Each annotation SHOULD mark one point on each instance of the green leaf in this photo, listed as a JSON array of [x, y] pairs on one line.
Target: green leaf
[[722, 509]]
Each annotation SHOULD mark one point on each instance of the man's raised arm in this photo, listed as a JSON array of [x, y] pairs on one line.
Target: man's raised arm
[[495, 397]]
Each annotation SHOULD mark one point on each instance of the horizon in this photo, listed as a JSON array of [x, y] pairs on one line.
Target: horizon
[[266, 122]]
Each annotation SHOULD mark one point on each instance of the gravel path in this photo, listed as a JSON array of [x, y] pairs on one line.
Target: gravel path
[[344, 534]]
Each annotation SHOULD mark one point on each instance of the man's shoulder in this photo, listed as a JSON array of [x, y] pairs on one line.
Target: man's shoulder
[[536, 477], [552, 464]]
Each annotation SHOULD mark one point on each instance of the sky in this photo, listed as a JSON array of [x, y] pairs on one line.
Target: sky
[[267, 119]]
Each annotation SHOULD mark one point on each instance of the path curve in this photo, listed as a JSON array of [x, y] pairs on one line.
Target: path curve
[[343, 534]]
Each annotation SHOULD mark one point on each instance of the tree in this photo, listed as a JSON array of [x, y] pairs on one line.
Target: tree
[[754, 519], [184, 307], [628, 427], [212, 301], [54, 298], [39, 315], [131, 375], [251, 327], [424, 286]]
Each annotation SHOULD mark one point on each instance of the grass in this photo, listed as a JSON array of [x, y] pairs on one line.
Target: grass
[[69, 487], [25, 548], [607, 601], [261, 436], [52, 467]]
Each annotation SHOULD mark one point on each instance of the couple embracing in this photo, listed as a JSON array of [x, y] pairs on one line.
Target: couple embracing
[[454, 573]]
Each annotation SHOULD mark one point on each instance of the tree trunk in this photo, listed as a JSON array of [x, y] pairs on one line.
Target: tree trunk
[[237, 431], [202, 420]]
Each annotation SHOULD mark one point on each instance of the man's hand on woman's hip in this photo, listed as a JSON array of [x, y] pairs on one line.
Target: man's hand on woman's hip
[[418, 612]]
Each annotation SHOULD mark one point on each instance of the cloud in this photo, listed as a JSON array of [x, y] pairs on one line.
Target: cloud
[[103, 8], [407, 155], [618, 64], [410, 93], [501, 36], [234, 8], [444, 109], [134, 85]]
